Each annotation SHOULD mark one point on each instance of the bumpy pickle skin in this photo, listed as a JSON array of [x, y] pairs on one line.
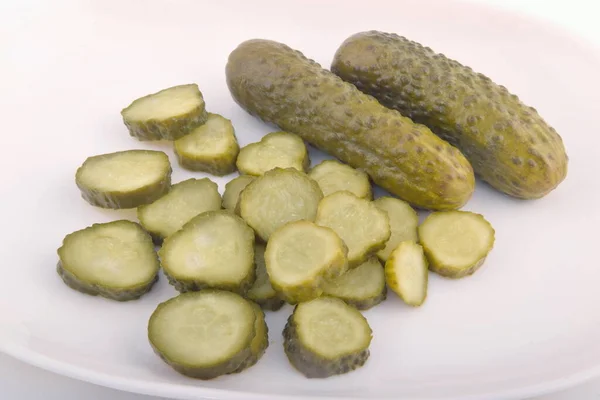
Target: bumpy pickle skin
[[233, 188], [183, 202], [186, 332], [456, 243], [326, 337], [213, 250], [333, 176], [507, 142], [115, 260], [262, 291], [124, 179], [275, 150], [211, 147], [166, 115], [281, 86]]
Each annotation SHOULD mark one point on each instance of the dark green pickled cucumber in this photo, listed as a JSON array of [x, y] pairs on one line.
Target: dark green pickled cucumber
[[115, 260], [124, 179], [205, 334], [281, 86], [507, 142], [325, 337]]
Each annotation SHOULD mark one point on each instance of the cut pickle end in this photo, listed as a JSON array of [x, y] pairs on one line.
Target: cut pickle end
[[326, 337], [166, 115], [333, 176], [183, 202], [406, 273], [262, 291], [214, 250], [124, 179], [301, 256], [363, 227], [456, 243], [204, 334], [259, 343], [233, 188], [211, 147], [115, 260], [362, 287], [275, 150], [278, 197], [403, 223]]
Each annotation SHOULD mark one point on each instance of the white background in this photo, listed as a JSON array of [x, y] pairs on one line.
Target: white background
[[23, 382]]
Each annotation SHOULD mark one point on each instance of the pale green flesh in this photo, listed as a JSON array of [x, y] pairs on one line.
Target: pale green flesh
[[215, 248], [112, 255], [183, 202], [233, 189], [168, 103], [125, 171], [333, 176], [407, 272], [403, 223], [360, 283], [212, 139], [331, 328], [362, 226], [275, 150], [262, 288], [202, 329]]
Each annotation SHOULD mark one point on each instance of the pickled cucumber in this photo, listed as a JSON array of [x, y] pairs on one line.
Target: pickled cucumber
[[363, 227], [278, 197], [211, 147], [301, 256], [326, 337], [204, 334], [456, 243], [115, 260], [183, 202], [281, 86], [275, 150], [507, 142], [168, 114], [333, 176], [362, 287], [124, 179], [233, 188], [262, 291], [259, 343], [406, 273], [403, 223], [213, 250]]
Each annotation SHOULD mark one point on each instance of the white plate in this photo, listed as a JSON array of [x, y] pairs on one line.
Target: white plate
[[526, 323]]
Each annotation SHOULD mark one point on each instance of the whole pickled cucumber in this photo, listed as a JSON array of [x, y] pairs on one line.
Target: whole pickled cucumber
[[281, 86], [508, 144]]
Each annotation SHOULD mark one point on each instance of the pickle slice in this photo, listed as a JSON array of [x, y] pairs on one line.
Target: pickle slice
[[278, 197], [168, 114], [233, 188], [183, 202], [456, 243], [275, 150], [259, 344], [333, 176], [326, 337], [204, 334], [211, 147], [214, 250], [363, 227], [262, 291], [301, 256], [362, 287], [115, 260], [403, 223], [406, 273], [124, 179]]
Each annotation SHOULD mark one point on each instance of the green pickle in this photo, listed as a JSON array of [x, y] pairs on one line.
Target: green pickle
[[259, 343], [115, 260], [281, 86], [262, 291], [166, 115], [124, 179], [233, 188], [507, 142], [403, 223], [333, 176], [275, 150], [406, 273], [211, 147]]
